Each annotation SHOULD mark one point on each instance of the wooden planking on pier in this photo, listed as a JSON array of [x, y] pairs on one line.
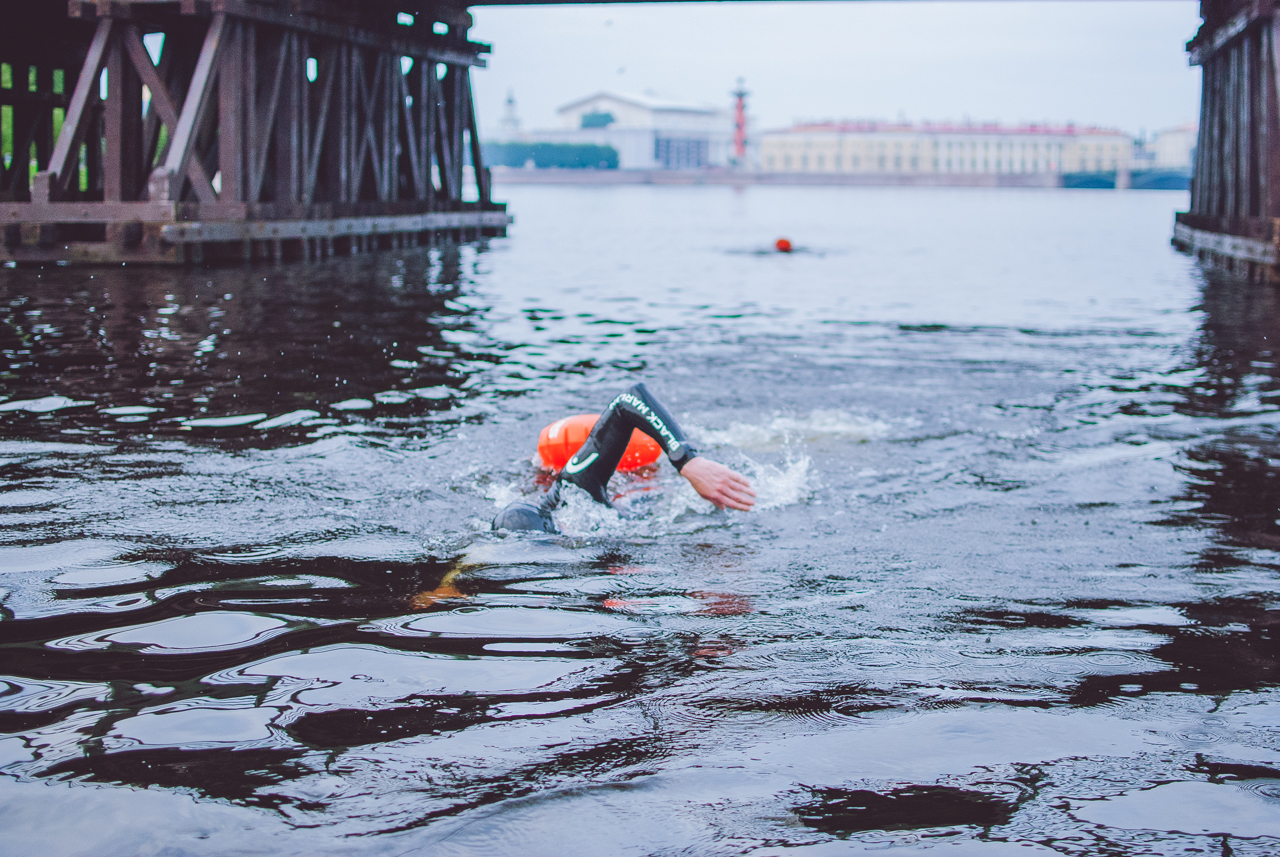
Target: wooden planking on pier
[[253, 112], [1234, 216]]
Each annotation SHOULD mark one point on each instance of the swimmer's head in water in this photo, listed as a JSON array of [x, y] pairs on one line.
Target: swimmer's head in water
[[524, 516]]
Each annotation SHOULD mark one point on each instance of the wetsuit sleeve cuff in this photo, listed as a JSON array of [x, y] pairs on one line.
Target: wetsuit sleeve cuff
[[687, 453]]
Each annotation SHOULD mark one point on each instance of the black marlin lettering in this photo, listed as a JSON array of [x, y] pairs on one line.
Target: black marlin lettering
[[653, 419]]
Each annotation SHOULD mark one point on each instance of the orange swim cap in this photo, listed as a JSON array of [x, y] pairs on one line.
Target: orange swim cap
[[559, 441]]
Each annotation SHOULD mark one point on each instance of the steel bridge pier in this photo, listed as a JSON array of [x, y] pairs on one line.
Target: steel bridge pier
[[190, 131]]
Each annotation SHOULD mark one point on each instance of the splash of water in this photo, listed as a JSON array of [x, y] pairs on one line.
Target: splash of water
[[667, 505], [785, 485], [656, 504], [503, 494]]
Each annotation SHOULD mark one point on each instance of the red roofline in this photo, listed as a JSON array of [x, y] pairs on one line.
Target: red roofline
[[854, 126]]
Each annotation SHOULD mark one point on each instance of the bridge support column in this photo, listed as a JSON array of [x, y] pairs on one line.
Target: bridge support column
[[1234, 218]]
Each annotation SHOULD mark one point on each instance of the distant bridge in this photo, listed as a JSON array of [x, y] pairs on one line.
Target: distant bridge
[[180, 131]]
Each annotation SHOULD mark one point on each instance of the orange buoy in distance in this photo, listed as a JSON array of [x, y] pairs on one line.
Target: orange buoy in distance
[[559, 441], [782, 245]]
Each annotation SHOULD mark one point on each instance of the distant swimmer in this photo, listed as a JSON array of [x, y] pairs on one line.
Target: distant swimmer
[[597, 459]]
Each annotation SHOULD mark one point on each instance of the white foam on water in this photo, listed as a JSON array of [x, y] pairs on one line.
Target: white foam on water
[[503, 494], [676, 501], [224, 422], [777, 486], [438, 392], [292, 418], [326, 430], [518, 552], [579, 515], [352, 405], [129, 410], [782, 430], [43, 405]]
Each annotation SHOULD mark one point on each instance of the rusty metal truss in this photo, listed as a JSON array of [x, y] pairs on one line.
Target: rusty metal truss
[[175, 132]]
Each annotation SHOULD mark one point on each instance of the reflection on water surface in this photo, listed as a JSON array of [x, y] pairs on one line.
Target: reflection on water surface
[[114, 352], [1012, 585]]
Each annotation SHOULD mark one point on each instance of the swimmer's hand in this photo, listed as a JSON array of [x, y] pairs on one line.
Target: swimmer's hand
[[713, 481]]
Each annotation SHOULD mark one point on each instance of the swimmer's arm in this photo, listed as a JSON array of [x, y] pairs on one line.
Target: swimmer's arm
[[713, 481]]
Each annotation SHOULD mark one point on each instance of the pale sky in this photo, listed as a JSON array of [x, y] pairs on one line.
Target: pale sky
[[1115, 63]]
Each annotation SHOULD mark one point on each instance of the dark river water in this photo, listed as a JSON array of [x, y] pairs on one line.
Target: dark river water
[[1011, 586]]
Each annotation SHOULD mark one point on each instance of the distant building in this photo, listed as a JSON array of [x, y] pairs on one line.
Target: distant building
[[870, 147], [648, 133], [509, 125], [1174, 148]]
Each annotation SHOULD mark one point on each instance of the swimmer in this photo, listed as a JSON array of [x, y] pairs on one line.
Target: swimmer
[[592, 465]]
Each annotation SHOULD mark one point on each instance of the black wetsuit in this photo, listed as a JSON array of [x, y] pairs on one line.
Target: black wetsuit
[[593, 464]]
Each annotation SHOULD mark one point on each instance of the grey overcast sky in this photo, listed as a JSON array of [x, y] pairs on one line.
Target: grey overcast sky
[[1116, 63]]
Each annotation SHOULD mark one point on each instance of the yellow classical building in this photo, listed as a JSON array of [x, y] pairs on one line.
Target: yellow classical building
[[871, 147]]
